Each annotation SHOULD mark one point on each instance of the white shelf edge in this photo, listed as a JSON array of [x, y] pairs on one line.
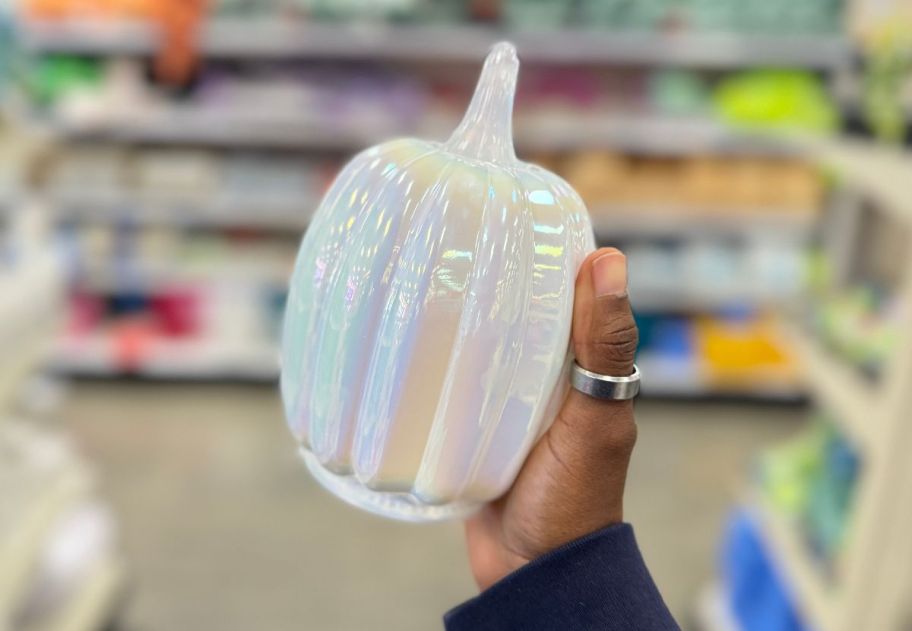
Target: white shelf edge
[[645, 134], [90, 607], [28, 289], [662, 300], [813, 597], [685, 390], [882, 172], [274, 38], [713, 611], [24, 356], [18, 555], [292, 215], [609, 221], [838, 388], [694, 222], [183, 361]]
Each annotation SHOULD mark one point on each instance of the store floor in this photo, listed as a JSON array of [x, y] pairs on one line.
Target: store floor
[[224, 530]]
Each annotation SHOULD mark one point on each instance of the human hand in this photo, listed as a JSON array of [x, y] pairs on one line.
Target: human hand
[[572, 484]]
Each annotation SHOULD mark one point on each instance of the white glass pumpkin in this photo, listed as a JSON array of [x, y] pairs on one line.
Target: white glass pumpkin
[[428, 321]]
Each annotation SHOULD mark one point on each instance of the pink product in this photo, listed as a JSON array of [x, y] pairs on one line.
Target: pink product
[[580, 88], [178, 312], [85, 314]]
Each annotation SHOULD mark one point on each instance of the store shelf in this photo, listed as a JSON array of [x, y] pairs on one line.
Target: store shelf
[[28, 313], [669, 299], [850, 399], [22, 356], [273, 38], [644, 134], [882, 172], [810, 591], [89, 37], [680, 222], [262, 214], [143, 277], [664, 388], [91, 607], [28, 292], [684, 378], [23, 530], [210, 360], [615, 221]]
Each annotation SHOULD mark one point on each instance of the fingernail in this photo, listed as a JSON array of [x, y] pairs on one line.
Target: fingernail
[[609, 275]]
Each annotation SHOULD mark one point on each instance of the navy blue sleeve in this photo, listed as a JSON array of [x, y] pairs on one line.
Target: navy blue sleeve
[[597, 582]]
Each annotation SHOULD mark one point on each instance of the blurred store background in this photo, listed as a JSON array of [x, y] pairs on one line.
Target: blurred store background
[[160, 159]]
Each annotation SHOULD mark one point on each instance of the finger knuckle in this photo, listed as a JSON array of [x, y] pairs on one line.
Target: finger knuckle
[[626, 438], [620, 441], [614, 438], [616, 339], [619, 329]]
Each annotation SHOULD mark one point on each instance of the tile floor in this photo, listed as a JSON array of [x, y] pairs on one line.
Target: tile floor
[[224, 530]]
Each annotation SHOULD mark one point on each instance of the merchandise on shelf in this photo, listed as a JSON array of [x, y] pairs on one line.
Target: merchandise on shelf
[[742, 350], [723, 354], [758, 598], [184, 187], [862, 324], [56, 77], [887, 95], [773, 16], [74, 9], [58, 551], [811, 482], [344, 107], [723, 273], [702, 182], [537, 14], [167, 303], [788, 100], [8, 49]]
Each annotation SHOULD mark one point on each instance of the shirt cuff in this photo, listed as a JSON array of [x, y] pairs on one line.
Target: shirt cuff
[[597, 582]]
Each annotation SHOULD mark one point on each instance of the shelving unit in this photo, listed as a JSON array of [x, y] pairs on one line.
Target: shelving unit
[[172, 360], [868, 585], [293, 215], [42, 482], [641, 134], [90, 607], [280, 215], [848, 395], [40, 489], [30, 296], [268, 38], [25, 535], [803, 578], [632, 130], [681, 222]]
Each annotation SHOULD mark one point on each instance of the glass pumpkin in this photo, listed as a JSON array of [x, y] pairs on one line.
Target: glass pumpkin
[[425, 344]]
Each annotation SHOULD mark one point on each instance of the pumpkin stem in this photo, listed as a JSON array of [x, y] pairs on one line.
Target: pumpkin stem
[[486, 132]]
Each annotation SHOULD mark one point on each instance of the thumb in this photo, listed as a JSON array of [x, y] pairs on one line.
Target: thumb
[[605, 341], [605, 335]]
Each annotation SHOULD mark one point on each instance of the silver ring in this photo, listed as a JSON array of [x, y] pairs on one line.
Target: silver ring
[[604, 387]]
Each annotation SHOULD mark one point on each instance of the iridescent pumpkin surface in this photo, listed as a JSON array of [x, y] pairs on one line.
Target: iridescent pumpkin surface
[[428, 321]]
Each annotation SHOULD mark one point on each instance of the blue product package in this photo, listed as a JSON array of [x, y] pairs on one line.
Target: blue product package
[[759, 600]]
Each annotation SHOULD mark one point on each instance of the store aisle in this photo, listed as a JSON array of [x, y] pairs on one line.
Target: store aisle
[[224, 529]]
